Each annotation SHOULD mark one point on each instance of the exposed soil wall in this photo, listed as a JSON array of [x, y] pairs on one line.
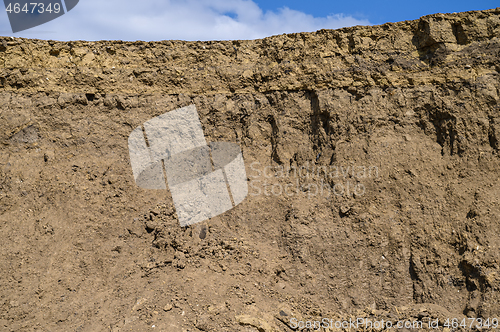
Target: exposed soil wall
[[372, 155]]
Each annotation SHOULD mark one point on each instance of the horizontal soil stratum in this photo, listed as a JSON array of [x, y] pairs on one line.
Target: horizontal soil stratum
[[372, 157]]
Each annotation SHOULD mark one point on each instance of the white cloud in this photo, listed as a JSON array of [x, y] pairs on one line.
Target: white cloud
[[176, 19]]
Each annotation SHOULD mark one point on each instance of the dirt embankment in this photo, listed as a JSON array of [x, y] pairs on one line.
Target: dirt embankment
[[394, 213]]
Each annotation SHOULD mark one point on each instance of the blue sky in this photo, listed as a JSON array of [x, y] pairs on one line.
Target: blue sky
[[379, 12], [224, 19]]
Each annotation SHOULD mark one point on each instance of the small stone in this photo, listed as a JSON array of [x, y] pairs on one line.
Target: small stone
[[168, 307], [151, 225], [203, 232], [344, 209], [284, 314], [258, 323], [204, 323], [118, 249]]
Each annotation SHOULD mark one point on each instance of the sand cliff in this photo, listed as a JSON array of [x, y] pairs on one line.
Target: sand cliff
[[405, 118]]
